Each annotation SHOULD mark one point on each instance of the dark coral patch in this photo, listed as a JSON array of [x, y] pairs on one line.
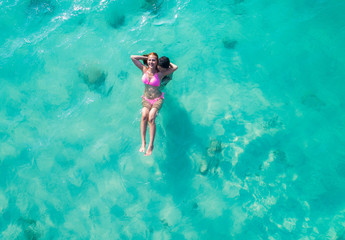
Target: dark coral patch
[[93, 76], [229, 44], [312, 101], [115, 17], [116, 21]]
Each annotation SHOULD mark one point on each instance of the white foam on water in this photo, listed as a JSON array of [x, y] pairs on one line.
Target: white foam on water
[[210, 200], [22, 202], [239, 217], [290, 223], [232, 189], [12, 231], [190, 235], [170, 214], [76, 222], [3, 202], [158, 235], [135, 226], [110, 186], [7, 150], [45, 161]]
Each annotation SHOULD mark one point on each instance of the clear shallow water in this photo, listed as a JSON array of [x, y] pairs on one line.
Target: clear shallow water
[[249, 141]]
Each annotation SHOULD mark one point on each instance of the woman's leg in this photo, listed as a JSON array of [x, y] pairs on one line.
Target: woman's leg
[[143, 126], [152, 130]]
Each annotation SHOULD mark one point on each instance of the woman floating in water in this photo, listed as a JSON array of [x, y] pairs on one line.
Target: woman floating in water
[[152, 99]]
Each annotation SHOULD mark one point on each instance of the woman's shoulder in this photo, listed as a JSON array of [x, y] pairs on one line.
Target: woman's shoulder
[[144, 69]]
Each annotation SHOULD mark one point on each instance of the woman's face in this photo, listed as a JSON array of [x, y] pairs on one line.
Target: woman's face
[[152, 61]]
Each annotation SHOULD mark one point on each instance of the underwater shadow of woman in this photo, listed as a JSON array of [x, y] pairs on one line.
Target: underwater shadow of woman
[[180, 137]]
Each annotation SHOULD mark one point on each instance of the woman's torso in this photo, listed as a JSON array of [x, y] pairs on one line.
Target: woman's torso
[[152, 85]]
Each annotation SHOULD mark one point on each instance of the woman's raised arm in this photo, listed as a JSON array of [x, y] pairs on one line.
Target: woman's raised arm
[[136, 58]]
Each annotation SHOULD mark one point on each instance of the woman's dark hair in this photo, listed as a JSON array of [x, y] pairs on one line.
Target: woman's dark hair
[[145, 61], [164, 62]]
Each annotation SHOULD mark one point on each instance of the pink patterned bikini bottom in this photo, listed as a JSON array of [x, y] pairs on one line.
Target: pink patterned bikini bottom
[[152, 101]]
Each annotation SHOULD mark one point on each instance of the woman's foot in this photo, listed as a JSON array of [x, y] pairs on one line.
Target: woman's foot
[[149, 151], [142, 148]]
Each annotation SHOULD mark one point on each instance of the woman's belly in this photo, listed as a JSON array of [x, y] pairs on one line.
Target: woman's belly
[[152, 92]]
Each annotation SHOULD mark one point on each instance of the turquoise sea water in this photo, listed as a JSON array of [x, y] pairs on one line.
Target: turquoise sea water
[[250, 139]]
